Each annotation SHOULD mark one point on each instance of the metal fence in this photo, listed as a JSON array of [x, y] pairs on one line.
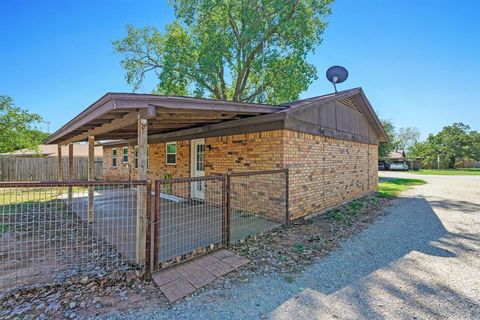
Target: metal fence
[[190, 217], [51, 232], [195, 215], [46, 236]]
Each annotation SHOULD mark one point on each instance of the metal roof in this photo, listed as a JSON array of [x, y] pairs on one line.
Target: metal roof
[[114, 116]]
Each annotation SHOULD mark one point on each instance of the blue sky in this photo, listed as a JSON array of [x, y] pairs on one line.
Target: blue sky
[[418, 61]]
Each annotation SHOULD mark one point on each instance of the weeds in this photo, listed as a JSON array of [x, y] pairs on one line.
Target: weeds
[[299, 248]]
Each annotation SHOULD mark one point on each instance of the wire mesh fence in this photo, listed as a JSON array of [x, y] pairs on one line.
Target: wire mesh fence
[[195, 215], [190, 217], [258, 202], [51, 232]]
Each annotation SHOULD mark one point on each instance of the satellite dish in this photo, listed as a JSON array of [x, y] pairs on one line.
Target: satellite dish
[[336, 74]]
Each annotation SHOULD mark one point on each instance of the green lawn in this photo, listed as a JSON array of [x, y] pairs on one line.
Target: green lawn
[[450, 172], [393, 187]]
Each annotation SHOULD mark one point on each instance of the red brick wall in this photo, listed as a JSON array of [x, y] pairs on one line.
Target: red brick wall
[[324, 172], [157, 167]]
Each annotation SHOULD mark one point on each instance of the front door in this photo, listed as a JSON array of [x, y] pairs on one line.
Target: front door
[[198, 167]]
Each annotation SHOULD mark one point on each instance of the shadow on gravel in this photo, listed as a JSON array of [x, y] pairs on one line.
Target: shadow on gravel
[[464, 206], [411, 226]]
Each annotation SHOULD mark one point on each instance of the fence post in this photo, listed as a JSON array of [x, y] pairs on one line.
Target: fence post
[[227, 211], [287, 195], [91, 177], [148, 215], [156, 226], [70, 171]]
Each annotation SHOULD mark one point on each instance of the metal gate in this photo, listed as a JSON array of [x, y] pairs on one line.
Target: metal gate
[[232, 207]]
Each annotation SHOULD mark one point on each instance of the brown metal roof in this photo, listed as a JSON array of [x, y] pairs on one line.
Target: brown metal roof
[[114, 116]]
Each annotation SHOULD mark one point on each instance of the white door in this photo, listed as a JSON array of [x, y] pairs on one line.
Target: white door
[[198, 167]]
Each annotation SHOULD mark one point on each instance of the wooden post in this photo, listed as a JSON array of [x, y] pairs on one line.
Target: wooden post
[[60, 167], [60, 163], [91, 175], [149, 244], [141, 194], [70, 171]]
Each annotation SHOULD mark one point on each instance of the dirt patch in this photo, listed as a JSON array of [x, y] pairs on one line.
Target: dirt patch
[[47, 243], [288, 249], [117, 293]]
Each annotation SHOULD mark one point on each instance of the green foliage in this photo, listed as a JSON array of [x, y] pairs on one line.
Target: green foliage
[[393, 187], [299, 247], [17, 127], [283, 258], [384, 149], [218, 48], [336, 215], [453, 144], [354, 207]]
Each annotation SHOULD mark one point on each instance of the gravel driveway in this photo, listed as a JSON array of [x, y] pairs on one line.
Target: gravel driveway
[[422, 260]]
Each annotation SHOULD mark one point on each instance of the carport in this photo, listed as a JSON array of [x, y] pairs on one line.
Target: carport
[[140, 119]]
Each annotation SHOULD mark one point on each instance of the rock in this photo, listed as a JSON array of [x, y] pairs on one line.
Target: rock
[[72, 305], [83, 304], [41, 306], [54, 306], [85, 280]]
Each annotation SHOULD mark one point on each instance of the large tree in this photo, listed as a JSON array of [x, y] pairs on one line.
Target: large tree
[[451, 145], [406, 137], [240, 50], [18, 127], [385, 148]]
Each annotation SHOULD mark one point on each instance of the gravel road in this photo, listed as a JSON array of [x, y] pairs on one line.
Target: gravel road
[[421, 260]]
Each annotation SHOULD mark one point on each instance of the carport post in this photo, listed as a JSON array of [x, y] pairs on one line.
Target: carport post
[[141, 195], [91, 175], [60, 167], [60, 163], [70, 170]]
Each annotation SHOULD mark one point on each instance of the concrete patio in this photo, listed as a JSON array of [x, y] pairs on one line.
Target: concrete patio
[[184, 226]]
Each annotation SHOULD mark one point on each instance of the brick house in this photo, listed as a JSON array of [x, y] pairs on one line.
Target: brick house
[[329, 143]]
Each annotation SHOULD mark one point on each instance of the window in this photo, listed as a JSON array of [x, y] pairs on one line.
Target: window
[[114, 157], [125, 154], [136, 156], [200, 157], [171, 152]]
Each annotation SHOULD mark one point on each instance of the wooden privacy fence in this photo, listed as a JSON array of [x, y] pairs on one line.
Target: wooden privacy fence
[[45, 169]]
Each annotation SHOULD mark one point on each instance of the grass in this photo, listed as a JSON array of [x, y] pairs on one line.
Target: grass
[[450, 172], [392, 188], [13, 200]]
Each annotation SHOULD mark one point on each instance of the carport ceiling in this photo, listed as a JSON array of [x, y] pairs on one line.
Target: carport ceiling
[[115, 115]]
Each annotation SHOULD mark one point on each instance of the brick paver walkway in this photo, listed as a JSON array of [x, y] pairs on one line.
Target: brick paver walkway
[[179, 281]]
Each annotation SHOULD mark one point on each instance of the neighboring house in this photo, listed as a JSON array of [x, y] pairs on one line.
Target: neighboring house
[[51, 150], [397, 155], [329, 142]]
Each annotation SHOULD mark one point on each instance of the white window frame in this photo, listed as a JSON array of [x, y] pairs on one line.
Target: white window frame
[[114, 156], [135, 157], [167, 154], [123, 154]]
